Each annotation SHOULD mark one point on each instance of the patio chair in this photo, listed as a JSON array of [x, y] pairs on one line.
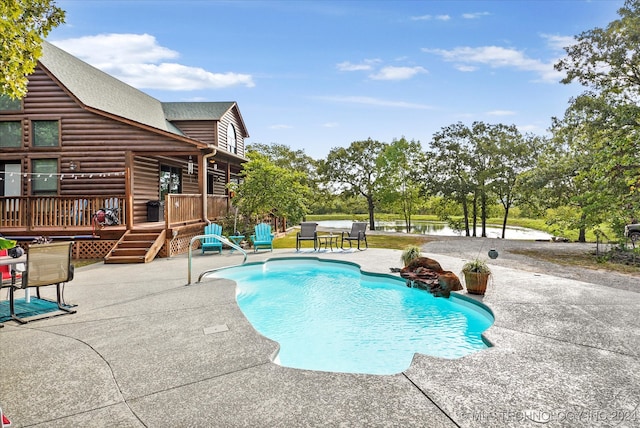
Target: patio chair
[[47, 264], [211, 243], [307, 233], [262, 237], [358, 233]]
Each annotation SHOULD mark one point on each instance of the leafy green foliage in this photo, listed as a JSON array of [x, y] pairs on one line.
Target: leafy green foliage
[[297, 160], [270, 190], [599, 131], [355, 171], [402, 189], [25, 24]]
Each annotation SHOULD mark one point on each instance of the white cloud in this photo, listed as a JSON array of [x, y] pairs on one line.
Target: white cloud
[[501, 113], [140, 61], [365, 65], [280, 126], [559, 42], [497, 57], [466, 68], [331, 125], [397, 73], [374, 102], [475, 15], [430, 17]]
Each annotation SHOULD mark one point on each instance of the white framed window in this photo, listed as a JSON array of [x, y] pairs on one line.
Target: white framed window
[[232, 144]]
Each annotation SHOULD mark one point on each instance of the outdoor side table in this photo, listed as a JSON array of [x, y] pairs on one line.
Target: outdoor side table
[[328, 241], [236, 239]]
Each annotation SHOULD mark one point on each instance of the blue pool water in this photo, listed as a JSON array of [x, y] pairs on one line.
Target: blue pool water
[[330, 316]]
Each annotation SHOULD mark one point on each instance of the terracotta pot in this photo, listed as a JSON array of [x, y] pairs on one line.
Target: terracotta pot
[[476, 282]]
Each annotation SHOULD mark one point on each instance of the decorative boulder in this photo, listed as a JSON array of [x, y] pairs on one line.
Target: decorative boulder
[[427, 274], [424, 262]]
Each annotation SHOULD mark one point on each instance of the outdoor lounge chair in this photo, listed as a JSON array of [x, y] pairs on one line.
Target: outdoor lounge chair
[[262, 237], [47, 264], [358, 233], [211, 243], [307, 233]]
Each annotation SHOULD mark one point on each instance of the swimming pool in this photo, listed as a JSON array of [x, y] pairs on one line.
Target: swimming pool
[[330, 316]]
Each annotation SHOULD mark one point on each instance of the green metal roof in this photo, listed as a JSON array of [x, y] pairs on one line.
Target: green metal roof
[[196, 110], [98, 90]]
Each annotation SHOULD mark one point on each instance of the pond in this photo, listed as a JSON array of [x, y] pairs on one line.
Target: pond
[[443, 229]]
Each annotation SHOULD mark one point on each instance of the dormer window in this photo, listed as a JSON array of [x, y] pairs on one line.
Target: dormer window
[[232, 144]]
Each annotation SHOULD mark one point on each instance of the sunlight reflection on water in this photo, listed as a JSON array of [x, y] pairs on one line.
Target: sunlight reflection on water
[[442, 229]]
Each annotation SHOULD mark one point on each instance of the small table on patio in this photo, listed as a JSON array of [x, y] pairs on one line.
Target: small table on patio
[[328, 241], [236, 239]]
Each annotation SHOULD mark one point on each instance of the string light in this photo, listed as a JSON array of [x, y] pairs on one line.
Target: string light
[[30, 176]]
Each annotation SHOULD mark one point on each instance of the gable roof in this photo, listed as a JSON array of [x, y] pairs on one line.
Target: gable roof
[[196, 110], [101, 91], [201, 111]]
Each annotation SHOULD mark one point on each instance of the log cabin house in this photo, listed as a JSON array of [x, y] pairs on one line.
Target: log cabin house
[[82, 140]]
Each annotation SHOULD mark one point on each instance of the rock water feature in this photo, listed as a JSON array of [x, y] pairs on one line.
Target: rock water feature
[[427, 274]]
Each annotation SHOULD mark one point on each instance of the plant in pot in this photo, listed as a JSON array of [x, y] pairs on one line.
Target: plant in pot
[[409, 254], [476, 276]]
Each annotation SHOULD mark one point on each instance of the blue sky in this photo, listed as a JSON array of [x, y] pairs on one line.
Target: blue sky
[[315, 75]]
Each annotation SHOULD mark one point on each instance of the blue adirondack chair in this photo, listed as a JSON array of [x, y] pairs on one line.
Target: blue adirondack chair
[[262, 237], [212, 244]]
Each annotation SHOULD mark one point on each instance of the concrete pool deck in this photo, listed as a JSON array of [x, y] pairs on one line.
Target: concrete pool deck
[[144, 350]]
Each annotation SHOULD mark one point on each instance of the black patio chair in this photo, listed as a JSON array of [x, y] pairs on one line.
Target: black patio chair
[[307, 233], [358, 233]]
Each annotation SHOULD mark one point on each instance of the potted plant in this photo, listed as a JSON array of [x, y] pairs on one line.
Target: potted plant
[[409, 254], [476, 276]]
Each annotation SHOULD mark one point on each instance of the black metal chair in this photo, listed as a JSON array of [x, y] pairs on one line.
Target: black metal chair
[[47, 264], [358, 233], [307, 233]]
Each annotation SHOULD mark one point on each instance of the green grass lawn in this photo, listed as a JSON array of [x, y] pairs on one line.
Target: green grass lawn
[[394, 242]]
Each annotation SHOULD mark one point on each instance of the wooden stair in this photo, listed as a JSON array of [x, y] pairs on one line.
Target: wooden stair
[[137, 246]]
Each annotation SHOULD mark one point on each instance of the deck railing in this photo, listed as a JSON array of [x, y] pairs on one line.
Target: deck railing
[[183, 208], [217, 206], [39, 212], [33, 213], [187, 208]]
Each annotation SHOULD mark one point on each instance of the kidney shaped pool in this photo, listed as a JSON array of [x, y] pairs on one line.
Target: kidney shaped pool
[[329, 315]]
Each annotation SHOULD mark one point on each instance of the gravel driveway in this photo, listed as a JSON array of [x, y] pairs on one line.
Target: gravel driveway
[[469, 248]]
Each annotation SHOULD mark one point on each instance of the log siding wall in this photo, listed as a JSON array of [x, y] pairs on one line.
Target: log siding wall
[[202, 130], [97, 144]]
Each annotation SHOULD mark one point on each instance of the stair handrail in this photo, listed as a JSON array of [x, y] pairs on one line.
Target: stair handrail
[[221, 239]]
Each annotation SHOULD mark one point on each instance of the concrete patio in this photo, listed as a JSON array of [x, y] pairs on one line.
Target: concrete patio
[[144, 350]]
